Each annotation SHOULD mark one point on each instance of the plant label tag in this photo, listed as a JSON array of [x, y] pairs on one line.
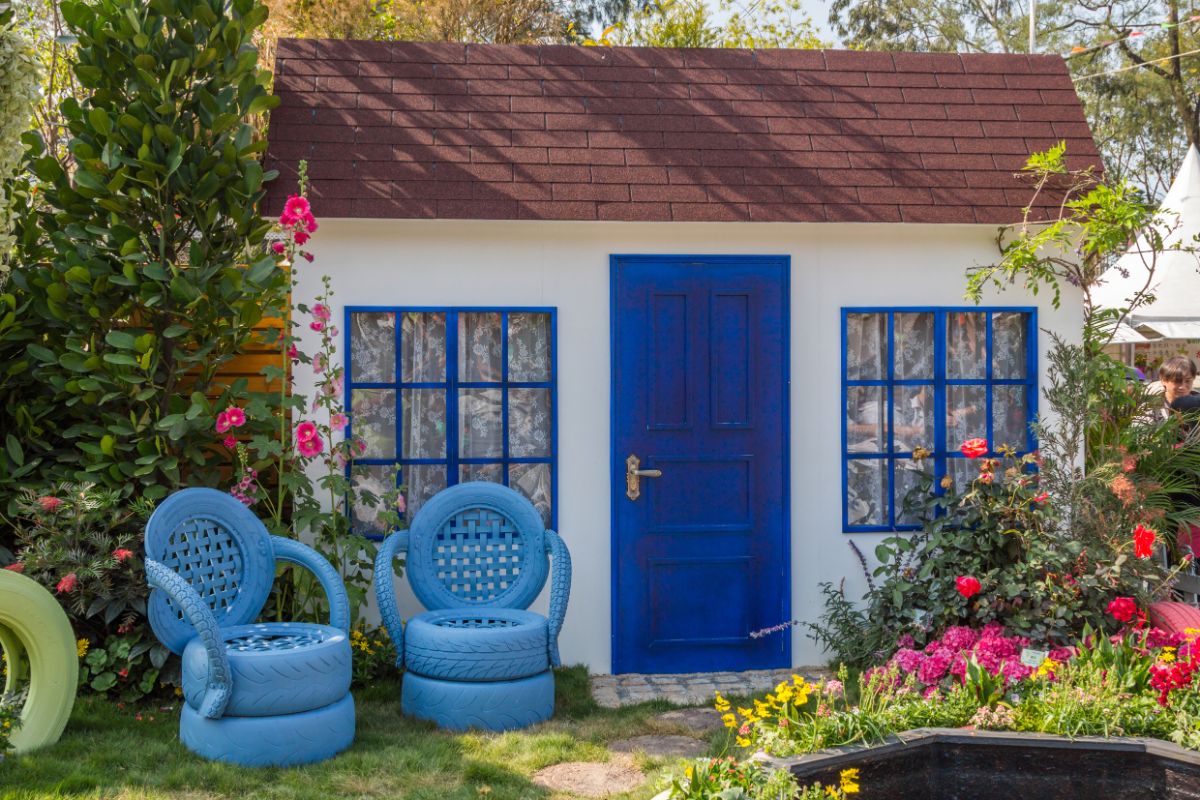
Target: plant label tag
[[1033, 658]]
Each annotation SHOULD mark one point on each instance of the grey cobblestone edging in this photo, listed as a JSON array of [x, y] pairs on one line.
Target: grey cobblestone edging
[[614, 691]]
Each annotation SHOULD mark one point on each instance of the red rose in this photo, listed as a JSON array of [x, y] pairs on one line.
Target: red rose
[[974, 448], [67, 584], [1143, 541], [967, 586], [1122, 609]]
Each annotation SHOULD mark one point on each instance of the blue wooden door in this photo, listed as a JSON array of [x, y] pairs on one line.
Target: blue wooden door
[[700, 383]]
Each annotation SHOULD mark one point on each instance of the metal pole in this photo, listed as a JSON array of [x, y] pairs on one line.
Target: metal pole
[[1032, 26]]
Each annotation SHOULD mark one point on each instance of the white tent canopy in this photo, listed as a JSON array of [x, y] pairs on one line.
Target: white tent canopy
[[1175, 312]]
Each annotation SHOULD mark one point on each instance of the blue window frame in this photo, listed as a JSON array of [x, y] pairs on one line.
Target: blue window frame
[[442, 395], [928, 377]]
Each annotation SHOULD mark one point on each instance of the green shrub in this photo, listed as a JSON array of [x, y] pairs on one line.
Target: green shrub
[[141, 272], [128, 666]]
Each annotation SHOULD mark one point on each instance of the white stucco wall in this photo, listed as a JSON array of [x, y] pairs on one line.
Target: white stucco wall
[[566, 265]]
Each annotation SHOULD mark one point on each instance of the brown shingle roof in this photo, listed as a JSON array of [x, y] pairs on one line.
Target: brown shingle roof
[[444, 130]]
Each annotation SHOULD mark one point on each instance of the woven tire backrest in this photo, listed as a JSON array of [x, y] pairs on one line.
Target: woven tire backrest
[[220, 548], [477, 544]]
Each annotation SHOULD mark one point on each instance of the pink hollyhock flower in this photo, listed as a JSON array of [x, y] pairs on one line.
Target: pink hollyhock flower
[[50, 504], [301, 237], [223, 423], [235, 416], [333, 331], [278, 248], [307, 257], [293, 353], [318, 363], [1122, 609], [122, 555], [17, 567], [310, 447], [230, 441], [967, 586], [321, 311], [306, 431], [294, 209], [317, 325], [67, 584], [362, 446], [1143, 541], [338, 420], [401, 504], [974, 448]]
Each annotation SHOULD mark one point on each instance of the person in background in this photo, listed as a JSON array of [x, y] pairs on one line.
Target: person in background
[[1177, 375]]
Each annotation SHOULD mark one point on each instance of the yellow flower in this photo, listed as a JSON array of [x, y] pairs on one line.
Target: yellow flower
[[1048, 666], [742, 741], [721, 703], [1167, 655], [689, 772], [849, 779], [832, 791], [761, 709], [747, 714], [81, 647], [730, 720]]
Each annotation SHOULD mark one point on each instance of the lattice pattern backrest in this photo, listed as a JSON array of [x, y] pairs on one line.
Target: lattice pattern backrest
[[208, 557], [478, 554]]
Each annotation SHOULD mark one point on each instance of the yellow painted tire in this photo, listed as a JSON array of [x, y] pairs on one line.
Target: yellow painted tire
[[35, 623]]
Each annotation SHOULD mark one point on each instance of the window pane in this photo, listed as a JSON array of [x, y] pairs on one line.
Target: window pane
[[423, 347], [866, 347], [1010, 416], [908, 478], [966, 415], [533, 481], [372, 347], [424, 423], [964, 471], [479, 347], [966, 344], [421, 482], [481, 472], [373, 420], [866, 419], [867, 492], [914, 345], [480, 423], [913, 417], [529, 422], [528, 347], [1008, 344], [375, 480]]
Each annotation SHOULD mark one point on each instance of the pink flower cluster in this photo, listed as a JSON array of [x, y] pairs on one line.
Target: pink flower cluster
[[944, 660], [308, 439], [245, 491]]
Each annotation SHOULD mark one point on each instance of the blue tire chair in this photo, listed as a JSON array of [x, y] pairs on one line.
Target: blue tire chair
[[268, 694], [476, 555]]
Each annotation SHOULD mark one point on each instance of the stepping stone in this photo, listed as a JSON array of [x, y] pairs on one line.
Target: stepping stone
[[696, 720], [662, 746], [591, 779]]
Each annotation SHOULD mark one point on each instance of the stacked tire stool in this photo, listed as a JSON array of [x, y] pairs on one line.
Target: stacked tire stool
[[263, 694], [477, 555]]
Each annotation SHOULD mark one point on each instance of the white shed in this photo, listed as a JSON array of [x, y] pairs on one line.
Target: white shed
[[743, 268]]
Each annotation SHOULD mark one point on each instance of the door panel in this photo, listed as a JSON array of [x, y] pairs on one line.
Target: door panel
[[701, 557]]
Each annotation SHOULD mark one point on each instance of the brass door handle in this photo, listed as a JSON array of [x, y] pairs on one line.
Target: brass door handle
[[633, 477]]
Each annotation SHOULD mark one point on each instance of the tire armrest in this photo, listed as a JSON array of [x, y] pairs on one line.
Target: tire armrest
[[294, 552], [560, 589], [220, 680], [385, 591]]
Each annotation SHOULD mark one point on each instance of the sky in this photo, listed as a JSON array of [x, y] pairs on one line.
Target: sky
[[818, 10]]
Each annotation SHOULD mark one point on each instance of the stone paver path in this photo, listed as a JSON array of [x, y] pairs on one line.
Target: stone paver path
[[614, 691], [591, 779], [697, 721], [661, 746]]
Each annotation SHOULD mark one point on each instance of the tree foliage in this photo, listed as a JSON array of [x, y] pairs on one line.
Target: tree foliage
[[694, 23], [20, 81], [142, 271]]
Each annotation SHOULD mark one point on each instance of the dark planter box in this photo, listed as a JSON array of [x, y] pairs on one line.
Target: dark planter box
[[953, 764]]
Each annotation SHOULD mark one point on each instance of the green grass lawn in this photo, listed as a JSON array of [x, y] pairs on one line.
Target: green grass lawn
[[108, 752]]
